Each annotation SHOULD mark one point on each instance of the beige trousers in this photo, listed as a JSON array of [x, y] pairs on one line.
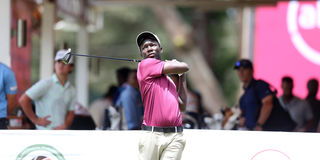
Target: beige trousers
[[161, 146]]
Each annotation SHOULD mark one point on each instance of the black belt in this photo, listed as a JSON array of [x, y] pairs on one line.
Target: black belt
[[163, 129]]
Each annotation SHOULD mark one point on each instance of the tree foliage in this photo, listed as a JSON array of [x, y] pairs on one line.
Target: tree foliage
[[117, 39]]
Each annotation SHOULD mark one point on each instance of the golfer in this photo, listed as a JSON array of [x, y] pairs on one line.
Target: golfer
[[162, 100]]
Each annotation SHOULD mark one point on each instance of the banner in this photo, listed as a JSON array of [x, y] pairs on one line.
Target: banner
[[287, 40], [123, 145]]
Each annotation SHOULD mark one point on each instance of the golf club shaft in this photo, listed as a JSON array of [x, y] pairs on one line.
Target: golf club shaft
[[112, 58]]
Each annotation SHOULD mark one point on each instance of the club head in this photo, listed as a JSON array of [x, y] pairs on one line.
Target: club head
[[67, 57]]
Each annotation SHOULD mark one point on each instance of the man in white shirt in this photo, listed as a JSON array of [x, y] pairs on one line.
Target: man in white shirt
[[298, 109], [54, 98]]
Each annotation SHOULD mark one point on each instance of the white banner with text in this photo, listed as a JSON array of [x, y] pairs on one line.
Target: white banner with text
[[123, 145]]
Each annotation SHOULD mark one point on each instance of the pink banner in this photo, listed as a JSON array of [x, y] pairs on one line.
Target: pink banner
[[287, 43]]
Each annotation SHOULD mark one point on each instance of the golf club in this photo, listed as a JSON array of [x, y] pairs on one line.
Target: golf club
[[67, 57]]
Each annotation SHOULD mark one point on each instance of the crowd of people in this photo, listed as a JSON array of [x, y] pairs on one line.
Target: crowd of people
[[51, 103], [261, 109]]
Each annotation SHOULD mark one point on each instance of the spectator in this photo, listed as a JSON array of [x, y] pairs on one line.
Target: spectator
[[298, 109], [98, 107], [82, 119], [8, 91], [163, 137], [122, 78], [313, 86], [257, 97], [54, 98], [130, 102]]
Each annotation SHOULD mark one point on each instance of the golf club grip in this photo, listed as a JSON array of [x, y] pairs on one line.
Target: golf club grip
[[103, 57]]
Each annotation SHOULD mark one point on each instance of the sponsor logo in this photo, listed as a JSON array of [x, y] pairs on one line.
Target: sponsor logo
[[40, 152], [304, 19], [270, 154]]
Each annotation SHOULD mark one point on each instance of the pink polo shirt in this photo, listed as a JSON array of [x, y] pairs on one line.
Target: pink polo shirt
[[159, 95]]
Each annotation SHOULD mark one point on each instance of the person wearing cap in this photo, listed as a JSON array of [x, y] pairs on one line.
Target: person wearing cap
[[257, 96], [54, 98], [162, 100], [8, 91]]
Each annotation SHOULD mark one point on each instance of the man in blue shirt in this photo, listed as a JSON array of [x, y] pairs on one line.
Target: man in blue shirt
[[257, 101], [122, 78], [130, 101], [8, 91]]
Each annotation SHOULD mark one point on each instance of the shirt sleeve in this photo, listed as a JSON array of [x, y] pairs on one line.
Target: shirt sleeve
[[38, 89], [151, 68], [263, 89], [10, 82]]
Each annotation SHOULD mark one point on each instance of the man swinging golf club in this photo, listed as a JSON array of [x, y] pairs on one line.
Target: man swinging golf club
[[162, 100]]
